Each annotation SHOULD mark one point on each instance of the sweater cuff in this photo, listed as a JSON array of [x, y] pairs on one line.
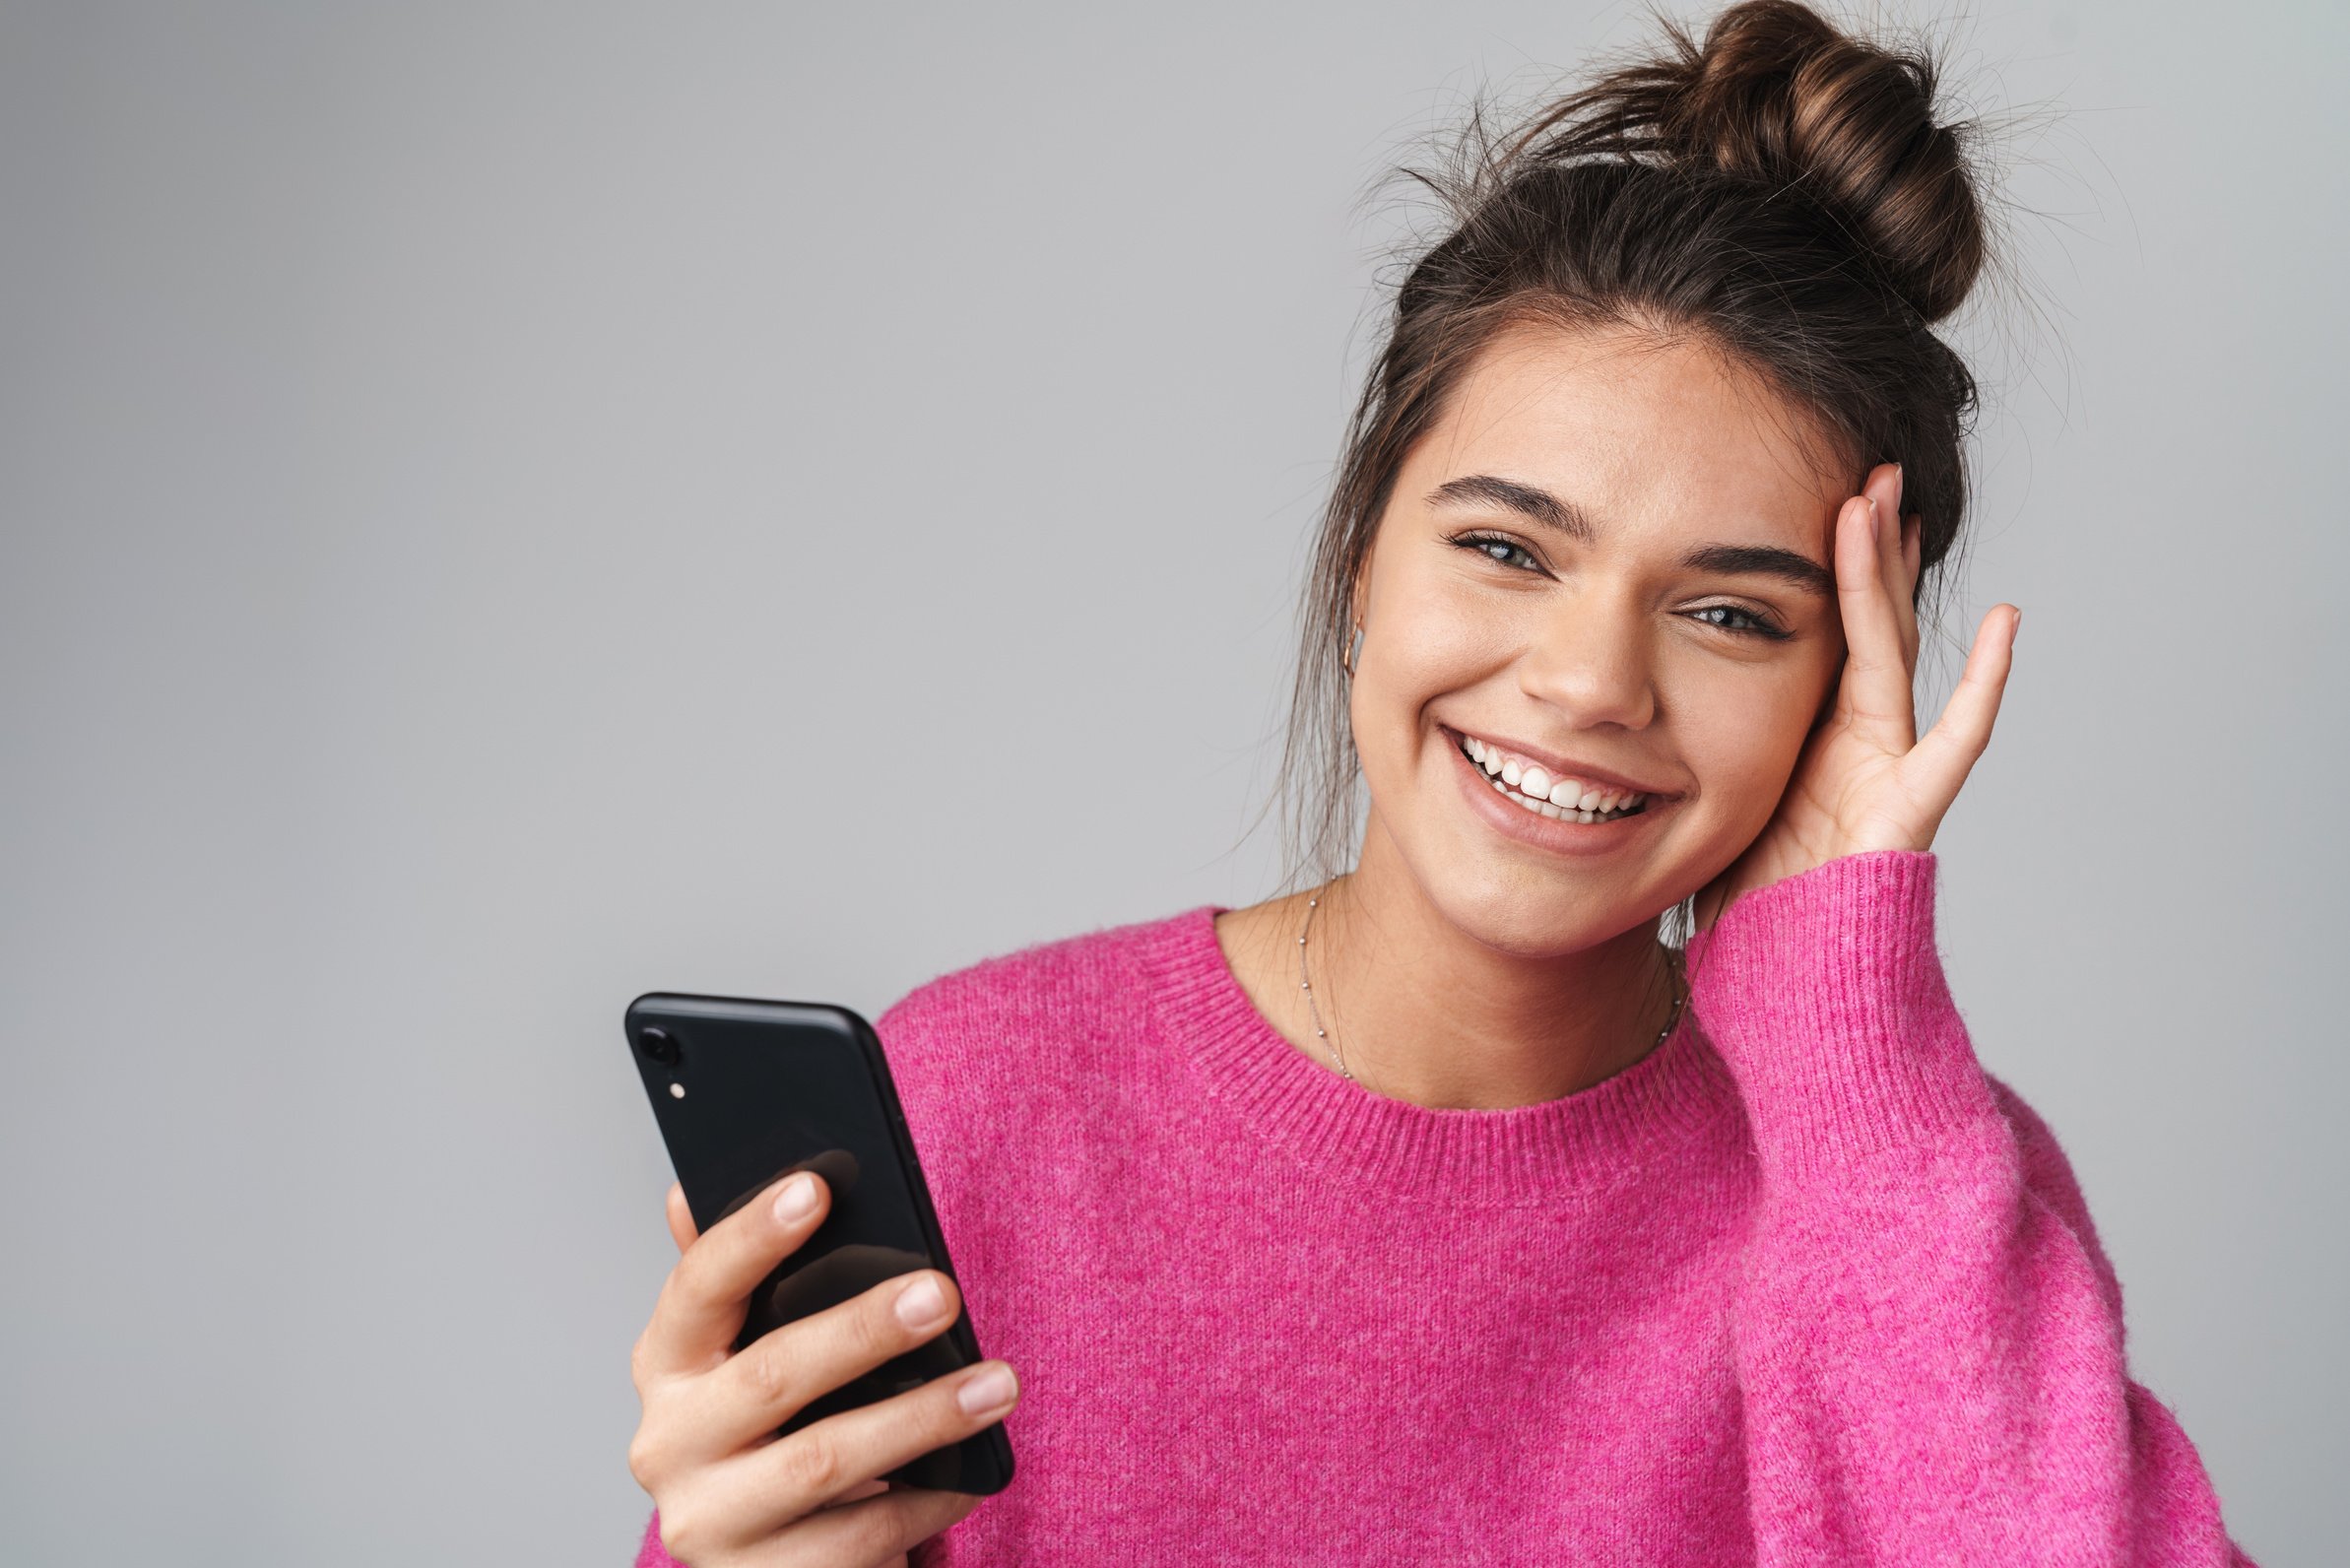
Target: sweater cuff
[[1825, 995]]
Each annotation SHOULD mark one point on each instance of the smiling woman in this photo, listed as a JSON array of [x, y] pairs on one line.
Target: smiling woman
[[1588, 1163], [1606, 561]]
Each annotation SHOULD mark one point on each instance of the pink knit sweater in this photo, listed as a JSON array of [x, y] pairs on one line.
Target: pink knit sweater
[[1804, 1285]]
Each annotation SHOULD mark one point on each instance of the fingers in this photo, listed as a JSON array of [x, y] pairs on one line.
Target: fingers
[[1947, 753], [1900, 560], [680, 1219], [790, 1366], [1875, 689], [1905, 548], [795, 1475], [1884, 483], [877, 1531], [1905, 601], [702, 1303]]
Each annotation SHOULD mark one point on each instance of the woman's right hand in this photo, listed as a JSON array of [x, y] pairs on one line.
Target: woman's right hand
[[730, 1491]]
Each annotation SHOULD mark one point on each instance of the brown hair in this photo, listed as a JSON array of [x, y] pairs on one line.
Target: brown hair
[[1780, 192]]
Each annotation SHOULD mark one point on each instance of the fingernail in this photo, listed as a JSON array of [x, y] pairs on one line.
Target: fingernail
[[921, 1303], [797, 1201], [989, 1390]]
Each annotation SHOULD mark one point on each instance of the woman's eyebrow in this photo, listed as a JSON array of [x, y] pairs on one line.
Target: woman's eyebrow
[[1539, 506]]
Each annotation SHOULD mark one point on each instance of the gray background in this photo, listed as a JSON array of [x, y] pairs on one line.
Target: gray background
[[506, 509]]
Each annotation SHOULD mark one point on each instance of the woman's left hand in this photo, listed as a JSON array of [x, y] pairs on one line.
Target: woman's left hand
[[1866, 779]]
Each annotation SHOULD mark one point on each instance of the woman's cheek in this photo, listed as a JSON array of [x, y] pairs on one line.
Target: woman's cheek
[[1745, 772]]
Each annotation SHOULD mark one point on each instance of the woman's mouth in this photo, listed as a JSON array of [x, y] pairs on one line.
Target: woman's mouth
[[1536, 790]]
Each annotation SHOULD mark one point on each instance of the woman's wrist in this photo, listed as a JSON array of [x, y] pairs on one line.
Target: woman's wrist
[[1825, 994]]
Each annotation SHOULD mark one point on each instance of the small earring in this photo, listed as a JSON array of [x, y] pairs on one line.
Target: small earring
[[1354, 649]]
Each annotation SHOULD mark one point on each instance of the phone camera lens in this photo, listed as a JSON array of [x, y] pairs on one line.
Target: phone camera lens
[[658, 1045]]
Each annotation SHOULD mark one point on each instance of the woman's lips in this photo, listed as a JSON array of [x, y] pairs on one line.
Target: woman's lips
[[1562, 836]]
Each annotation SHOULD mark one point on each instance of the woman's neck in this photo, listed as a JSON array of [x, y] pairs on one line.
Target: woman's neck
[[1426, 1014]]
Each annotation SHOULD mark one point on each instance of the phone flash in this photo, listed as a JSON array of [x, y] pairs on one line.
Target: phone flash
[[677, 1092]]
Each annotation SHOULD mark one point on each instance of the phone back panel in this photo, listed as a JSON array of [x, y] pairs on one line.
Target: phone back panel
[[757, 1089]]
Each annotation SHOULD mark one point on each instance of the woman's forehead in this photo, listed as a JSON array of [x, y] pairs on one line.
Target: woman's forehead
[[1627, 423]]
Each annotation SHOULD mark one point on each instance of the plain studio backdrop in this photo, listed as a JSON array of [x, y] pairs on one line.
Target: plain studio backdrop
[[506, 509]]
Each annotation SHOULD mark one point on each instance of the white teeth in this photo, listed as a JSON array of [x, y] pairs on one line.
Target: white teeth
[[1556, 798], [1561, 814], [1532, 787]]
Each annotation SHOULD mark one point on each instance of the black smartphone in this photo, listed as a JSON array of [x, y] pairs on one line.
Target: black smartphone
[[748, 1091]]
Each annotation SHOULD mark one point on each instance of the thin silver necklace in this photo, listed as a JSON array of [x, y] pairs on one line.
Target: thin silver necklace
[[1306, 984]]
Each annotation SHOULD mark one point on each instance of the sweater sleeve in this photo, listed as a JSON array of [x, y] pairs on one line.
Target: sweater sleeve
[[1928, 1337]]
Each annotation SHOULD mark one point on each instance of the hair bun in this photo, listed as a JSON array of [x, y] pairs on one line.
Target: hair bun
[[1778, 95]]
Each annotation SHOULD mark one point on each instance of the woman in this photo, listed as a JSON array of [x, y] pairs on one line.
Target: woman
[[1446, 1210]]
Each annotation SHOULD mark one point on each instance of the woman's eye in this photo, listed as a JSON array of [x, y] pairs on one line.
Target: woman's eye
[[1735, 617], [1503, 551], [1498, 550]]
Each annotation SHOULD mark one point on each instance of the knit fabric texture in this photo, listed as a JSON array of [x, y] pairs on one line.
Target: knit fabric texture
[[1805, 1285]]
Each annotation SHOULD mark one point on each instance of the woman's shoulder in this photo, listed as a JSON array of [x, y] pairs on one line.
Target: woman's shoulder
[[1031, 1050], [1041, 980], [1053, 999]]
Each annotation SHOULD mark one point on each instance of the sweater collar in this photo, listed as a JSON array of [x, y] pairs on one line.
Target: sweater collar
[[1532, 1154]]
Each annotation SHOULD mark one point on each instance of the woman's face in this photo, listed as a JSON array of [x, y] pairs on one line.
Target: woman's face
[[1609, 559]]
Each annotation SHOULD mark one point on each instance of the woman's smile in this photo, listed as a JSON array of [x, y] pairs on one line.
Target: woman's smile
[[1497, 786], [1540, 779]]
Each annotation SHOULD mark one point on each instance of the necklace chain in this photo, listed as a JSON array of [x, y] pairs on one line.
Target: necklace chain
[[1305, 983]]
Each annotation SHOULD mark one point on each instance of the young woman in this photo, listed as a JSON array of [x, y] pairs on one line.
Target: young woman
[[1450, 1210]]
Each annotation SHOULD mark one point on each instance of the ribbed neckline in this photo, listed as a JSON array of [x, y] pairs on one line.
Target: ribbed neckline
[[1532, 1154]]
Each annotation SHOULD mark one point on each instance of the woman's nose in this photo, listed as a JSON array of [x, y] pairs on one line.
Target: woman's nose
[[1590, 660]]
